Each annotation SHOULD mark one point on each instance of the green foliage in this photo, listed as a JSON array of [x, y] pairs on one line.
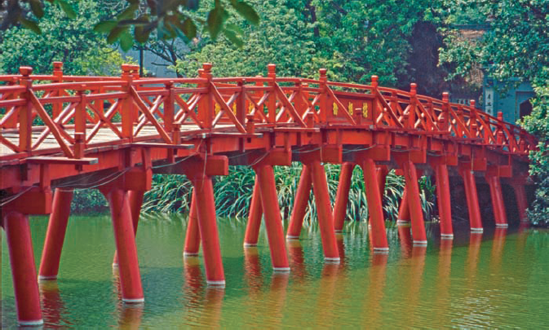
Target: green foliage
[[233, 193], [88, 201], [515, 45], [71, 41]]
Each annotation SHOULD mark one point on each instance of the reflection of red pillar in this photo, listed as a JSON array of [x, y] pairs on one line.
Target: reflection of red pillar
[[404, 210], [377, 222], [273, 221], [342, 197], [193, 280], [254, 219], [522, 203], [130, 279], [207, 226], [213, 302], [405, 238], [376, 286], [297, 259], [130, 316], [472, 199], [498, 245], [136, 201], [414, 203], [252, 268], [23, 270], [326, 291], [192, 237], [498, 204], [475, 240], [300, 203], [275, 305], [52, 304], [444, 204], [55, 236], [324, 212]]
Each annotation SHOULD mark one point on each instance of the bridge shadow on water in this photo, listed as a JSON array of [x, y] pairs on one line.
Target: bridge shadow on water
[[413, 286]]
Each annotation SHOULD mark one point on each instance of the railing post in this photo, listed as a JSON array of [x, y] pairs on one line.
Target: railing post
[[413, 102], [25, 113], [206, 107], [445, 120], [500, 134], [127, 112], [58, 76], [169, 108], [80, 124], [473, 119], [271, 102], [323, 104], [375, 109], [240, 103]]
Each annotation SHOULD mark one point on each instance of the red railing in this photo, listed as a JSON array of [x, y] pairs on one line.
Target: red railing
[[72, 112]]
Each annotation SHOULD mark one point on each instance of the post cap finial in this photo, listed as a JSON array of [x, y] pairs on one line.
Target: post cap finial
[[445, 97], [207, 67], [413, 88], [271, 68], [25, 70], [57, 65], [323, 72], [375, 80], [473, 104], [126, 67]]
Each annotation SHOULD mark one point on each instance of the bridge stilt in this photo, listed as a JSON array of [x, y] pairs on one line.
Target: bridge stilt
[[472, 199], [342, 197], [205, 205], [130, 278], [300, 203], [192, 237], [324, 212], [522, 203], [404, 210], [55, 235], [373, 196], [444, 204], [254, 218], [273, 221], [27, 298], [498, 205], [414, 203], [136, 201]]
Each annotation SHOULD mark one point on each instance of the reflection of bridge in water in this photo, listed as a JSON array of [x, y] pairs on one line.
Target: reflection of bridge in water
[[113, 133]]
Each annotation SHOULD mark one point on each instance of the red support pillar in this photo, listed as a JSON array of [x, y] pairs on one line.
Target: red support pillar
[[136, 201], [130, 278], [192, 238], [55, 235], [444, 204], [324, 211], [300, 203], [404, 210], [207, 225], [522, 202], [377, 222], [472, 199], [342, 197], [23, 269], [254, 218], [414, 203], [498, 205], [273, 221]]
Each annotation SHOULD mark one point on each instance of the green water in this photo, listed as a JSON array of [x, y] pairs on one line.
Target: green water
[[501, 281]]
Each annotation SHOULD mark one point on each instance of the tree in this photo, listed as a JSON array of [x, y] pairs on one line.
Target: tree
[[71, 41], [136, 20], [515, 45]]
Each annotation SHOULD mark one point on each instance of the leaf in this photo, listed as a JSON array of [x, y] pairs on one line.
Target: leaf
[[189, 28], [105, 26], [128, 13], [141, 35], [67, 8], [36, 7], [246, 11], [115, 34], [126, 41], [31, 25], [215, 21], [231, 35], [234, 28]]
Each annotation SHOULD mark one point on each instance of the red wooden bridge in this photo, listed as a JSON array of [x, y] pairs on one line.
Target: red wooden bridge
[[113, 133]]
